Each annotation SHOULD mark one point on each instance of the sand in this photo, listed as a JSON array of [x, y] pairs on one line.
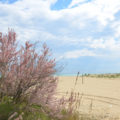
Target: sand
[[102, 93]]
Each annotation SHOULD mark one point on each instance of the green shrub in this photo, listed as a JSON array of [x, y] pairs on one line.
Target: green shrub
[[5, 110]]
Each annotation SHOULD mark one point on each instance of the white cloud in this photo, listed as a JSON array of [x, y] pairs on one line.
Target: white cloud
[[108, 44], [27, 11], [76, 2], [78, 53], [116, 27], [103, 43], [117, 31], [101, 10], [34, 20]]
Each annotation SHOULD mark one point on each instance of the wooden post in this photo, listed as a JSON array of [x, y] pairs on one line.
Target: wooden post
[[82, 79]]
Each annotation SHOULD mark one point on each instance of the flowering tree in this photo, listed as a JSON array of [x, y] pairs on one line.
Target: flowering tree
[[25, 73]]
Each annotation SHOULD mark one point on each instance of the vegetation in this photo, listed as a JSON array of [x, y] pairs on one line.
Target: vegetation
[[109, 75], [28, 85], [25, 76]]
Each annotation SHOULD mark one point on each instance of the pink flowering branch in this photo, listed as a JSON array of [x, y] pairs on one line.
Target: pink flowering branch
[[25, 72]]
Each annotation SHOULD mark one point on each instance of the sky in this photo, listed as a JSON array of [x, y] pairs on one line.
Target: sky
[[83, 35]]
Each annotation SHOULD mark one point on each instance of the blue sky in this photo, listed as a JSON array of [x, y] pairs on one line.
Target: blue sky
[[61, 4], [84, 35]]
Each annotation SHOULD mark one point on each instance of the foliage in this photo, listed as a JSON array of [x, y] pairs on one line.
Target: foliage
[[107, 75], [24, 69], [28, 85], [26, 75]]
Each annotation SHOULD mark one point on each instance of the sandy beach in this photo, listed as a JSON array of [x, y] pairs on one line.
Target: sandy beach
[[102, 93]]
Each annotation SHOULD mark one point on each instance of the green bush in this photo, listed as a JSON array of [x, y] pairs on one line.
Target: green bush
[[6, 109]]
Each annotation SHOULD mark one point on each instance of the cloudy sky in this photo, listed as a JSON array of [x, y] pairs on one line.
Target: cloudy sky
[[84, 35]]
